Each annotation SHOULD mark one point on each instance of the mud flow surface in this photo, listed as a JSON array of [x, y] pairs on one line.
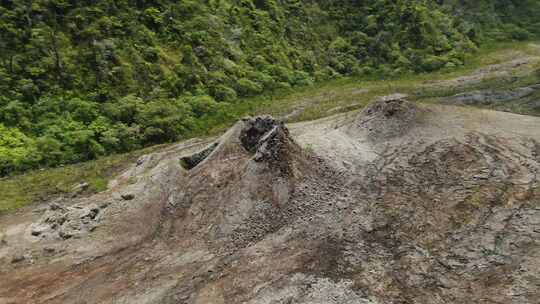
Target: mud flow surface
[[400, 203]]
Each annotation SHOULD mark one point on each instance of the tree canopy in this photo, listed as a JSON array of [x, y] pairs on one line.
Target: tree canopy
[[79, 79]]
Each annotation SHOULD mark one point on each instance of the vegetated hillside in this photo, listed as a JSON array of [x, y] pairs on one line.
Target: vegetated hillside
[[82, 79], [516, 19]]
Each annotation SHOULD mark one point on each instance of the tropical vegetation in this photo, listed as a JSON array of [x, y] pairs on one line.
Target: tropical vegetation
[[82, 79]]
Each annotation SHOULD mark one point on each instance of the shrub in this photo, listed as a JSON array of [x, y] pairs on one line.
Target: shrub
[[432, 63], [326, 73], [50, 150], [17, 151], [82, 110], [123, 110], [279, 73], [164, 120], [202, 105], [518, 33], [223, 93], [121, 138], [301, 78], [246, 87]]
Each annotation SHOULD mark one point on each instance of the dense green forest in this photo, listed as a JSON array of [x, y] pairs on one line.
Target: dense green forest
[[80, 79]]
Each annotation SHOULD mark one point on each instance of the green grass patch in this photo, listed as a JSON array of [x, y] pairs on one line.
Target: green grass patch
[[41, 185]]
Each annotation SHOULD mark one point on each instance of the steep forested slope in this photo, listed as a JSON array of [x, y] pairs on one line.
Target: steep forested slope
[[80, 79], [498, 19]]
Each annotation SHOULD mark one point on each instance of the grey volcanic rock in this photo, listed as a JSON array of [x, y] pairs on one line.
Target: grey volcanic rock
[[66, 222], [435, 205], [487, 97], [519, 100]]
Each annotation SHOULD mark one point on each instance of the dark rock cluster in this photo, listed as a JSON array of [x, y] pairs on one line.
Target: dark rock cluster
[[254, 129], [192, 161]]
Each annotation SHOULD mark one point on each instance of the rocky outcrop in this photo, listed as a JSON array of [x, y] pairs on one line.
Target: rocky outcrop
[[192, 161], [255, 129], [487, 97], [67, 222]]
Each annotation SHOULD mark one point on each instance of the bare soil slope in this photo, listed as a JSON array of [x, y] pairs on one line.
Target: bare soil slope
[[400, 203]]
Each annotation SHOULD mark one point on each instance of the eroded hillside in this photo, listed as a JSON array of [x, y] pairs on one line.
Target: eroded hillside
[[400, 203]]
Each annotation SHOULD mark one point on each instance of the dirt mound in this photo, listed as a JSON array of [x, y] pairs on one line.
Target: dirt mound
[[386, 118], [448, 213], [254, 171]]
